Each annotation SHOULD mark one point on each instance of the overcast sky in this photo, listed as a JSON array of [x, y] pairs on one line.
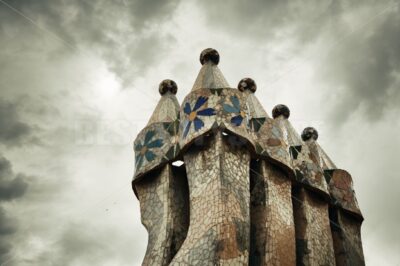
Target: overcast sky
[[79, 79]]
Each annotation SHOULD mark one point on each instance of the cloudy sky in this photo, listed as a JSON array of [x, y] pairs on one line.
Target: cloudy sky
[[79, 79]]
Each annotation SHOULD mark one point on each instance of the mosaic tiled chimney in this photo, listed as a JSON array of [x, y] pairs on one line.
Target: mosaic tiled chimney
[[249, 190]]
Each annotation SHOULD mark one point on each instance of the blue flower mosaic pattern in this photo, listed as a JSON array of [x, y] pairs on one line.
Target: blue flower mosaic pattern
[[143, 151], [235, 109], [192, 115]]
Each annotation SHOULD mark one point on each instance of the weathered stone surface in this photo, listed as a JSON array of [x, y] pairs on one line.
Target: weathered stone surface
[[219, 228], [314, 244], [157, 143], [281, 115], [155, 146], [164, 208], [271, 211], [268, 137], [346, 232], [308, 171], [205, 110], [342, 192], [259, 194], [346, 218]]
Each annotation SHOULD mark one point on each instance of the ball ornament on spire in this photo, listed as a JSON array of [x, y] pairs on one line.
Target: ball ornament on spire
[[309, 133], [247, 84], [209, 55], [167, 85], [279, 110]]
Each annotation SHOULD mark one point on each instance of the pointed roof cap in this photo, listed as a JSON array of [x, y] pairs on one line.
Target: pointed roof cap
[[310, 135], [281, 113], [167, 109], [255, 108], [210, 77]]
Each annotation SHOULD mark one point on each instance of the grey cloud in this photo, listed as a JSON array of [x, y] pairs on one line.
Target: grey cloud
[[7, 225], [266, 20], [363, 70], [11, 187], [143, 13], [118, 31], [361, 67], [12, 129], [7, 228], [79, 244], [129, 36], [5, 168], [138, 56]]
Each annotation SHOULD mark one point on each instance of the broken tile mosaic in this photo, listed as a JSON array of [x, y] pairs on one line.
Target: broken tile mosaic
[[249, 189]]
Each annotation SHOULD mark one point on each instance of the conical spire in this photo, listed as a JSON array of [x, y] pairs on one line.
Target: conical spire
[[255, 109], [210, 76], [281, 114], [167, 109], [310, 136], [156, 144], [327, 162]]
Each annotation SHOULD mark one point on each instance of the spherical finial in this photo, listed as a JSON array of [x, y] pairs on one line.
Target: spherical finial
[[308, 133], [167, 85], [247, 84], [281, 109], [209, 55]]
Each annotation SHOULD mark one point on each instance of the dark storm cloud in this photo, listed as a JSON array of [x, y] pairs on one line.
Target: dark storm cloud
[[144, 13], [11, 187], [363, 66], [139, 56], [364, 69], [80, 244], [12, 129], [7, 228], [265, 20], [7, 225], [120, 31], [75, 244]]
